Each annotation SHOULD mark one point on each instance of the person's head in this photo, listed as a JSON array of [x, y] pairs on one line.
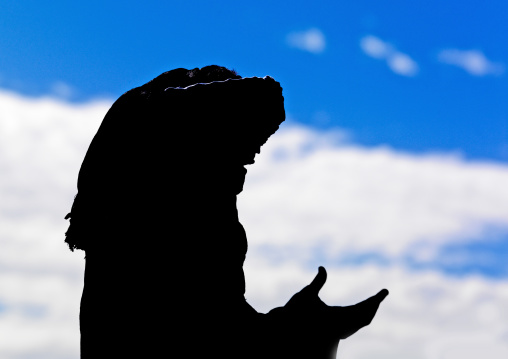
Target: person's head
[[183, 78], [184, 135], [236, 115]]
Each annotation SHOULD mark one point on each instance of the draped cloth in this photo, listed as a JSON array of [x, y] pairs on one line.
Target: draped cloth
[[156, 216]]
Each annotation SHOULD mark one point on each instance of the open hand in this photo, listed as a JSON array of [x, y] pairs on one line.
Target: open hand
[[318, 327]]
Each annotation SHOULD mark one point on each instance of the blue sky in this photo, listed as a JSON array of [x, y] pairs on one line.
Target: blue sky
[[102, 49], [390, 170]]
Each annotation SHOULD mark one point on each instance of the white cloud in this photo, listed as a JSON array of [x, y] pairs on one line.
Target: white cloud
[[472, 61], [426, 315], [402, 64], [304, 191], [398, 62], [312, 40], [62, 90], [375, 47], [307, 190], [42, 144]]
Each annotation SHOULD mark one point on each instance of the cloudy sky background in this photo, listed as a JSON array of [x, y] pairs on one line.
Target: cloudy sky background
[[390, 171]]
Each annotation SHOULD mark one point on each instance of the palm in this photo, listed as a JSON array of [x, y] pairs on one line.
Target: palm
[[317, 327]]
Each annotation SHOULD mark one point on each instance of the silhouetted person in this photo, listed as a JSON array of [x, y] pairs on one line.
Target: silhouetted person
[[156, 216]]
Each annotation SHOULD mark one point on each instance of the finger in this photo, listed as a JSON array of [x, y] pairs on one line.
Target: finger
[[383, 293], [369, 307], [317, 283], [357, 316], [376, 299]]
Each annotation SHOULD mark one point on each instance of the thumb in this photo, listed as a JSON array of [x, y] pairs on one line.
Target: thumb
[[317, 283], [378, 298]]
